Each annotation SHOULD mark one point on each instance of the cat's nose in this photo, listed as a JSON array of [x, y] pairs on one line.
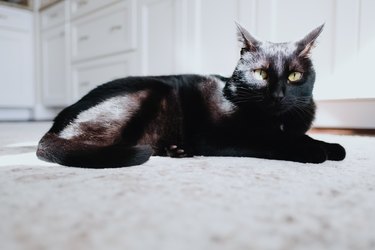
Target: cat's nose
[[278, 96]]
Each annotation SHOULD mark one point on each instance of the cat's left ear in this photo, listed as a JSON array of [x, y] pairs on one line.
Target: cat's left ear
[[248, 42], [305, 45]]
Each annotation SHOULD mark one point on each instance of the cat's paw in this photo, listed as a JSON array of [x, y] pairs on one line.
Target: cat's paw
[[312, 154], [335, 152], [175, 151]]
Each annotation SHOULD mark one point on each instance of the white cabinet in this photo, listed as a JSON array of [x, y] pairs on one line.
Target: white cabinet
[[157, 35], [15, 19], [216, 36], [88, 75], [54, 53], [103, 43], [108, 31], [55, 84], [16, 59], [79, 8], [53, 16]]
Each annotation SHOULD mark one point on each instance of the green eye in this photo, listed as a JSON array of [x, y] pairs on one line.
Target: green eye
[[295, 76], [260, 74]]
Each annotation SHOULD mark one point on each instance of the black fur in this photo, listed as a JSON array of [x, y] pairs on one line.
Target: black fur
[[187, 115]]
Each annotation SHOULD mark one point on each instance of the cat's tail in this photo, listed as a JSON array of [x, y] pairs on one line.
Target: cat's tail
[[72, 153]]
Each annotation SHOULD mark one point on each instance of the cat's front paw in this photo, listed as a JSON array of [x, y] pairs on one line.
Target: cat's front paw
[[175, 151], [335, 152], [310, 154]]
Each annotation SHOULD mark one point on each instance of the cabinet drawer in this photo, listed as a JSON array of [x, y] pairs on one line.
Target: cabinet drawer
[[82, 7], [88, 75], [53, 16], [15, 18], [106, 32]]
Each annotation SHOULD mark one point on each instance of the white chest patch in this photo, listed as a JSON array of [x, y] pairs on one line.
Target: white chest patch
[[115, 110]]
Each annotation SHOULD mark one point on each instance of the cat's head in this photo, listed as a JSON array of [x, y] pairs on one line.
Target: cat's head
[[277, 76]]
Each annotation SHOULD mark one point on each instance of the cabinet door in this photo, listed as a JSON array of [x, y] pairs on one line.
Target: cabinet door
[[88, 75], [157, 36], [218, 48], [79, 8], [108, 31], [55, 87], [53, 16], [16, 69]]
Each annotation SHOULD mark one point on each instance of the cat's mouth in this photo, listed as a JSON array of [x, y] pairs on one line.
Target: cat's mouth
[[279, 106]]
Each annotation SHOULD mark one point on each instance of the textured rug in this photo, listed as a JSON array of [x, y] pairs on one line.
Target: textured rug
[[198, 203]]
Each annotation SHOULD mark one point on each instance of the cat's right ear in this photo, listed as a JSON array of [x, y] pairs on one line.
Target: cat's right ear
[[248, 42], [305, 45]]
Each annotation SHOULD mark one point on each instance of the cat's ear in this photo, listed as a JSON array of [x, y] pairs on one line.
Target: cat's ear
[[248, 42], [305, 45]]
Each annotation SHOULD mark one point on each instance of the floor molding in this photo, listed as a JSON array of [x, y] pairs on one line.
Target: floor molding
[[346, 113], [342, 131]]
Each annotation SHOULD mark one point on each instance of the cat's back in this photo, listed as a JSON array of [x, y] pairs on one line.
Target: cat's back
[[181, 86], [132, 84], [122, 97]]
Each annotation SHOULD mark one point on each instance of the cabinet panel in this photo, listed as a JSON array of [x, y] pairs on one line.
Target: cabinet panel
[[55, 86], [354, 51], [157, 35], [109, 31], [345, 53], [367, 22], [82, 7], [16, 69], [15, 18], [366, 51], [219, 50], [248, 15], [53, 16], [88, 75]]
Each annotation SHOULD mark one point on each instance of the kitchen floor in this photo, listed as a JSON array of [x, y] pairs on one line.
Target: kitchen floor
[[196, 203]]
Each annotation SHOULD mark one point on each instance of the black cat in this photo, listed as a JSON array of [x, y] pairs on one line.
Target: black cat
[[263, 110]]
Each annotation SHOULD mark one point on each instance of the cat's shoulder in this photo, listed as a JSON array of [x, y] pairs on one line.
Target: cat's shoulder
[[212, 83]]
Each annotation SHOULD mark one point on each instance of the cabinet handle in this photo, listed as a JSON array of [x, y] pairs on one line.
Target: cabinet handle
[[83, 38], [82, 3], [53, 15], [3, 17], [115, 27], [84, 84]]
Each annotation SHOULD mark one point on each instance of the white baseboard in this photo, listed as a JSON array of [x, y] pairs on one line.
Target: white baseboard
[[28, 114], [43, 113], [348, 113], [16, 114]]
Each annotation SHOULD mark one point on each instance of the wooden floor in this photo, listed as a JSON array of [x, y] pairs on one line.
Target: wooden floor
[[341, 131]]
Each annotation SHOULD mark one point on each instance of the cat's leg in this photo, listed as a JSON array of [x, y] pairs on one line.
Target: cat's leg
[[304, 155], [169, 127], [297, 149], [299, 152], [334, 151]]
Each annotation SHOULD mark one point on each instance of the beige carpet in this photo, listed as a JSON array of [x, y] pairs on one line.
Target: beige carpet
[[198, 203]]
